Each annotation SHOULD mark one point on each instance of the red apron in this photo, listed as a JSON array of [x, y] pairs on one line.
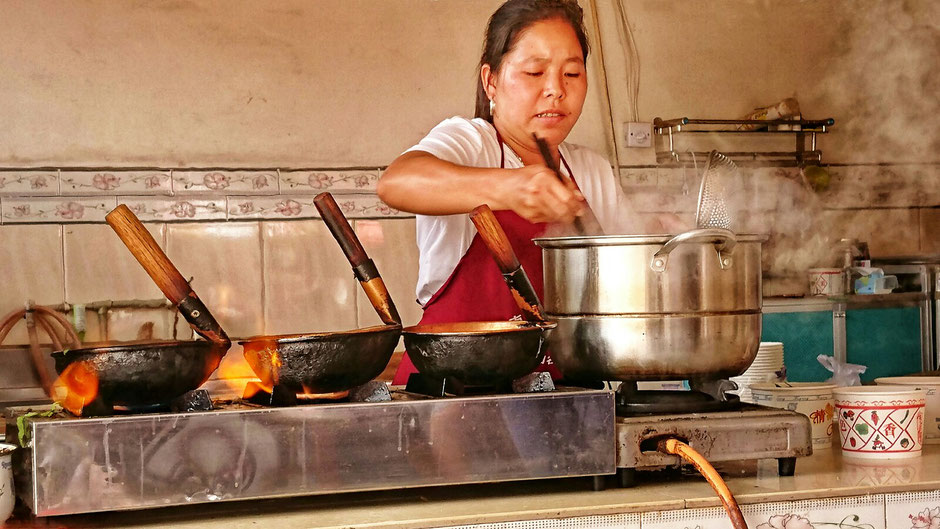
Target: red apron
[[476, 290]]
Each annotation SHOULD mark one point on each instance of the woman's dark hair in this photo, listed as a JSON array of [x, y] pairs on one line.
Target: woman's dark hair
[[508, 22]]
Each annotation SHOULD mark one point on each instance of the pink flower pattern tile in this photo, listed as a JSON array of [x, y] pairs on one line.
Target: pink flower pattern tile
[[314, 181], [226, 182], [29, 183], [178, 209], [56, 209], [286, 207], [115, 182]]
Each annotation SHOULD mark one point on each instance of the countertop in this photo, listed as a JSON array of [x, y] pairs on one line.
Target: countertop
[[824, 474]]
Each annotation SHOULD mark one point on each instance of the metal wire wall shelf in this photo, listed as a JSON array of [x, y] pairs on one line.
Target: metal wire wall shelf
[[801, 129]]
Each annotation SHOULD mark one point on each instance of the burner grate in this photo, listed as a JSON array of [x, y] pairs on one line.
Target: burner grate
[[632, 402]]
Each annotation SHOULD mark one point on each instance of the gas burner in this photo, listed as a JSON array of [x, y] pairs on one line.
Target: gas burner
[[281, 396], [538, 382], [705, 396], [449, 386], [195, 400], [749, 432]]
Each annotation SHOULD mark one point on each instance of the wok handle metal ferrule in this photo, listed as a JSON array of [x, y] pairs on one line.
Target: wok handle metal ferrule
[[724, 241], [527, 300], [194, 310], [374, 287]]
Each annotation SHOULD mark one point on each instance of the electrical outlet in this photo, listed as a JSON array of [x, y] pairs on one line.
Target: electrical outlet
[[639, 134]]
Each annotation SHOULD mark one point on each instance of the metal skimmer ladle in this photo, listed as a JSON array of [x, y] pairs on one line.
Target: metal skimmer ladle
[[712, 211]]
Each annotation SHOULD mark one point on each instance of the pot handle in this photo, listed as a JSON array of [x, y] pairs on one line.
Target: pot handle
[[724, 241]]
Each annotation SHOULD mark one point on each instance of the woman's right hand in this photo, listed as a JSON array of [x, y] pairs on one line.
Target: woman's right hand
[[536, 194]]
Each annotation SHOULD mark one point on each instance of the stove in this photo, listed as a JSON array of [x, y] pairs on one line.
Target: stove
[[240, 450], [199, 450], [718, 426]]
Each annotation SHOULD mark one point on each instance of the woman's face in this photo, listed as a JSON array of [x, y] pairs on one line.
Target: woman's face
[[540, 86]]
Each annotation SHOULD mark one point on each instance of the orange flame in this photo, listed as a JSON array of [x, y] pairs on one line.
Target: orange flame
[[265, 363], [79, 383]]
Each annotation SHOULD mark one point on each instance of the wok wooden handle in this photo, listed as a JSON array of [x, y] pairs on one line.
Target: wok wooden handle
[[159, 267], [501, 249], [495, 238], [364, 268]]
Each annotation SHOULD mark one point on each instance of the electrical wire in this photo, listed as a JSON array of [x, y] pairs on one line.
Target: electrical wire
[[632, 58]]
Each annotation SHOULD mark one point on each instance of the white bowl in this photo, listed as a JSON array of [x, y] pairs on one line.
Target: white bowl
[[932, 412], [813, 399], [880, 422]]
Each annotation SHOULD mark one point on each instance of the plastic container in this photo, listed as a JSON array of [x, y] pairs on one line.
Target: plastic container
[[932, 411], [826, 282], [880, 422], [812, 399]]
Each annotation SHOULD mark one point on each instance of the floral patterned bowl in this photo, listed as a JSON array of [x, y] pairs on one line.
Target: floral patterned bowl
[[880, 422], [932, 412], [813, 399]]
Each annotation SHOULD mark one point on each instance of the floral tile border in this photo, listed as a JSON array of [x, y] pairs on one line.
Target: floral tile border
[[115, 182], [286, 207], [35, 183], [179, 209], [608, 521], [55, 209], [917, 510], [859, 512], [315, 181], [279, 207], [226, 182]]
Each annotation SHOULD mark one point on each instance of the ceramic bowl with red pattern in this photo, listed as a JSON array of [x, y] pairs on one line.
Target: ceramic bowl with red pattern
[[880, 422]]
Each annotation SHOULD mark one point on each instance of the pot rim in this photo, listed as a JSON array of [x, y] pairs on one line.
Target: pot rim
[[876, 392], [579, 241], [794, 387], [908, 381]]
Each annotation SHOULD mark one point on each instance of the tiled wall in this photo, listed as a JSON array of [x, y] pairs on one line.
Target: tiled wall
[[252, 240], [265, 263]]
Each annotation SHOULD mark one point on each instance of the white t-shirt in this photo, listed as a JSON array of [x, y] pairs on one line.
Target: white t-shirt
[[444, 239]]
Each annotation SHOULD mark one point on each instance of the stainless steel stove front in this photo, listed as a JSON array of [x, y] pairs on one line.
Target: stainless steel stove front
[[75, 465], [752, 432]]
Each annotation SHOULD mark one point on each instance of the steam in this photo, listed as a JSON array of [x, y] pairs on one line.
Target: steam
[[881, 84]]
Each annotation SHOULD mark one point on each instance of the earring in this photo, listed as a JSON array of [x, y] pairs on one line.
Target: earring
[[492, 107]]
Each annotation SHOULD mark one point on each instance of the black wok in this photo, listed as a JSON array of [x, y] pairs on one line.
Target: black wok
[[474, 353], [330, 362], [479, 353], [139, 374], [145, 373]]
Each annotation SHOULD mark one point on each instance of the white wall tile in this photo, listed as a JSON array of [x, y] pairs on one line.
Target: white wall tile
[[224, 260], [99, 267], [33, 269], [308, 283], [29, 183]]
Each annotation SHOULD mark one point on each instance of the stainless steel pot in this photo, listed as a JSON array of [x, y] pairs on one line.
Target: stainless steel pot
[[654, 307]]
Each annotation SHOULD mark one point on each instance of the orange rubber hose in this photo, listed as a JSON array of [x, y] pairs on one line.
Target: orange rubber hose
[[677, 447]]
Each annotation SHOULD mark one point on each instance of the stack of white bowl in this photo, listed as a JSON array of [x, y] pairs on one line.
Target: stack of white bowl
[[767, 363]]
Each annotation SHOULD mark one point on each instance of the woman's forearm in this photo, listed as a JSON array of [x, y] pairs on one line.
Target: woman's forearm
[[418, 182]]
